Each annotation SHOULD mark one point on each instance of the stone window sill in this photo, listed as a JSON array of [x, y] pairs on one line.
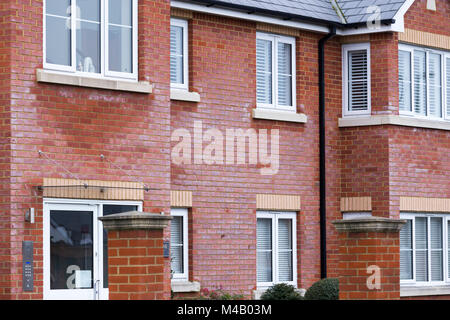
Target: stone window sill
[[185, 286], [277, 115], [417, 291], [184, 95], [398, 120], [90, 82]]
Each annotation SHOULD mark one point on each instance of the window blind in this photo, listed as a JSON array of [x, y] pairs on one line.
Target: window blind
[[176, 244], [264, 250], [404, 81], [285, 250], [284, 74], [406, 251], [435, 84], [421, 236], [420, 83], [448, 86], [436, 260], [176, 55], [264, 71], [358, 85]]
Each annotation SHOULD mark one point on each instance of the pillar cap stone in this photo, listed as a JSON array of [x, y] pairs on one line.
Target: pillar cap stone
[[133, 220], [369, 224]]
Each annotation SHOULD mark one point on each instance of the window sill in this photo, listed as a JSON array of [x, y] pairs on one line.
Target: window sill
[[417, 291], [394, 120], [185, 286], [98, 83], [276, 115], [184, 95]]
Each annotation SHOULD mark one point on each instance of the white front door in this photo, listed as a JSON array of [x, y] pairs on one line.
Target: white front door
[[75, 248]]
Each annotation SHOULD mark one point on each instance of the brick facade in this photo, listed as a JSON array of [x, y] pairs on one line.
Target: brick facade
[[75, 125]]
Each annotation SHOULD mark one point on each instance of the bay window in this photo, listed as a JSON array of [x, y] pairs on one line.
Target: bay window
[[97, 38], [424, 249], [424, 82]]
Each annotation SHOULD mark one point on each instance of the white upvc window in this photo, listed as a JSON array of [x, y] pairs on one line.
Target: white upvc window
[[179, 62], [424, 249], [356, 79], [276, 248], [424, 82], [179, 244], [275, 72], [95, 38]]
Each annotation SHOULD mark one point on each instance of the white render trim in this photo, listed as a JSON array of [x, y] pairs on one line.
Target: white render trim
[[276, 115], [92, 82], [378, 120], [184, 95], [417, 291], [185, 286]]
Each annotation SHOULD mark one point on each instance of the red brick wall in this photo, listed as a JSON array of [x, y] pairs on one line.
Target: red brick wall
[[419, 18], [74, 125]]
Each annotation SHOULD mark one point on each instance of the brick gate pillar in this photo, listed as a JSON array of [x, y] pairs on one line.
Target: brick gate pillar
[[369, 258], [135, 256]]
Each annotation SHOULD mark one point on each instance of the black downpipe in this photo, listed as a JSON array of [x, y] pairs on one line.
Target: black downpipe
[[322, 156]]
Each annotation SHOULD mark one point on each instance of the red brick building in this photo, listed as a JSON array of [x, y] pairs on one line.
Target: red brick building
[[216, 114]]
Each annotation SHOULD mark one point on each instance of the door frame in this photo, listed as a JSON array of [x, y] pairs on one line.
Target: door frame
[[96, 206]]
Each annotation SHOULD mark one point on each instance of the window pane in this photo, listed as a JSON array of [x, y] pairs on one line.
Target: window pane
[[404, 75], [435, 81], [88, 10], [71, 259], [421, 235], [436, 249], [120, 49], [120, 12], [420, 83], [264, 71], [358, 80], [284, 74], [406, 247], [58, 40], [264, 250], [88, 47], [285, 271], [107, 210], [176, 55], [448, 87], [58, 7], [448, 247], [176, 244]]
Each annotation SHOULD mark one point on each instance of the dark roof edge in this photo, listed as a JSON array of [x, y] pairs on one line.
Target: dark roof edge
[[287, 16]]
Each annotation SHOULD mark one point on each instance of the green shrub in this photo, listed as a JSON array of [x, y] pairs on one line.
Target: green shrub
[[281, 291], [325, 289], [218, 294]]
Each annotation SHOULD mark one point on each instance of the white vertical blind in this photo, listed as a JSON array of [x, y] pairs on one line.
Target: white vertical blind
[[264, 250], [421, 236], [285, 272], [176, 244], [435, 84], [420, 82], [405, 84], [448, 248], [284, 74], [406, 251], [436, 260], [448, 88], [176, 55], [264, 71], [358, 85]]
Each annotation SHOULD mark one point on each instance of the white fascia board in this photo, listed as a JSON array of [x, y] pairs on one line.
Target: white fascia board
[[246, 16]]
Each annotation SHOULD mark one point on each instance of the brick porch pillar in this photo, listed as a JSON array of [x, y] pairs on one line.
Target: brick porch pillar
[[135, 256], [369, 258]]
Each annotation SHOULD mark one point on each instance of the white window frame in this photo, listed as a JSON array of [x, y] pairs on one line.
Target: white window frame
[[275, 216], [104, 54], [184, 25], [275, 39], [183, 212], [445, 248], [97, 207], [444, 55], [345, 79]]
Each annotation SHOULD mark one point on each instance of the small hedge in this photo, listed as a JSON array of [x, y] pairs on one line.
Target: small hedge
[[325, 289], [281, 291]]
